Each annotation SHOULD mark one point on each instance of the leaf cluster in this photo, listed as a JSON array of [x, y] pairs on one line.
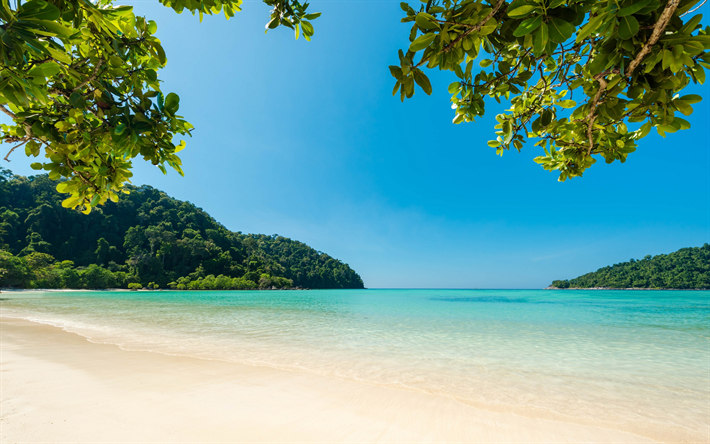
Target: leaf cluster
[[80, 82], [584, 77]]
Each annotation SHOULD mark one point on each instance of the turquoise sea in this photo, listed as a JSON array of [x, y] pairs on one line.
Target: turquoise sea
[[626, 357]]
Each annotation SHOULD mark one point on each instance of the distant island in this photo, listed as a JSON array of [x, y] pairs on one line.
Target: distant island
[[145, 240], [687, 268]]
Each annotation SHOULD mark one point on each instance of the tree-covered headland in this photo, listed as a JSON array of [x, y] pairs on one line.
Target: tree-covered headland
[[687, 268], [145, 239]]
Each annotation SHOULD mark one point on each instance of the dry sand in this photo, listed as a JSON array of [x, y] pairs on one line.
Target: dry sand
[[59, 387]]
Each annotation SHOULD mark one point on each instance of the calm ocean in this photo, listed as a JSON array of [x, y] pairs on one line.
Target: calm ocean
[[635, 357]]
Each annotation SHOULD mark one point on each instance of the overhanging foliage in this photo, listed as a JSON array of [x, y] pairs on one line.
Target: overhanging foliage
[[585, 77], [79, 80]]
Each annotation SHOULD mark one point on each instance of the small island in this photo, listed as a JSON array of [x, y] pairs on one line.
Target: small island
[[685, 269]]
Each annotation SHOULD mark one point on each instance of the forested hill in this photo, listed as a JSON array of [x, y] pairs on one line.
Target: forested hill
[[687, 268], [145, 238]]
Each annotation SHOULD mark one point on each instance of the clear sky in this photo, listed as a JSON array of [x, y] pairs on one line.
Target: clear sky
[[304, 139]]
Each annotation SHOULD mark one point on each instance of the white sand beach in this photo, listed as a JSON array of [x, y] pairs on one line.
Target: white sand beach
[[59, 387]]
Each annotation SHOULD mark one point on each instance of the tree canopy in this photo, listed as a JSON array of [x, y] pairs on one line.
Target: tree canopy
[[145, 238], [79, 80], [584, 77], [687, 268]]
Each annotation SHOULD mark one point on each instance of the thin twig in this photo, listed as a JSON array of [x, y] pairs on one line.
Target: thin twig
[[25, 140], [694, 9], [93, 76]]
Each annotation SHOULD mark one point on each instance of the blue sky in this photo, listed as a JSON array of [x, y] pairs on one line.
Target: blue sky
[[305, 140]]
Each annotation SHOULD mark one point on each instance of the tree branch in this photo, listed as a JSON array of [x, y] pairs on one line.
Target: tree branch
[[591, 117], [658, 29], [96, 73], [8, 112], [694, 9], [24, 141]]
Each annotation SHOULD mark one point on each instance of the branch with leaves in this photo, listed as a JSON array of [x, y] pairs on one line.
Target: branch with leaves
[[628, 59], [79, 82]]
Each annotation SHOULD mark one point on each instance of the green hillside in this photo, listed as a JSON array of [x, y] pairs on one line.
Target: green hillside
[[687, 268], [146, 237]]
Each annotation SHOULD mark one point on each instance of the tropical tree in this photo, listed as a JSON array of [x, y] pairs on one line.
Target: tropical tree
[[583, 77], [79, 81]]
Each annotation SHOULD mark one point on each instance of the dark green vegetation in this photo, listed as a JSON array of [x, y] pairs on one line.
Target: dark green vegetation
[[146, 238], [686, 268]]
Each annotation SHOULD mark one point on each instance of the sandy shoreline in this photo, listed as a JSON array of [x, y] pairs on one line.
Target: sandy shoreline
[[58, 387]]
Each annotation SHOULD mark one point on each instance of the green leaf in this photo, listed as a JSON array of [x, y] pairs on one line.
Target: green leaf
[[486, 63], [396, 71], [172, 103], [422, 42], [488, 27], [423, 81], [667, 59], [628, 27], [682, 123], [38, 9], [49, 69], [59, 55], [644, 130], [63, 126], [152, 27], [527, 26], [454, 87], [494, 143], [120, 129], [591, 26], [54, 27], [651, 7], [567, 103], [71, 202], [426, 21], [36, 166], [32, 149], [540, 39], [77, 100], [633, 8], [691, 98], [62, 187], [522, 10], [560, 30], [683, 107]]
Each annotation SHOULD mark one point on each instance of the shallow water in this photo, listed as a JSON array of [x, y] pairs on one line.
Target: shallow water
[[635, 357]]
